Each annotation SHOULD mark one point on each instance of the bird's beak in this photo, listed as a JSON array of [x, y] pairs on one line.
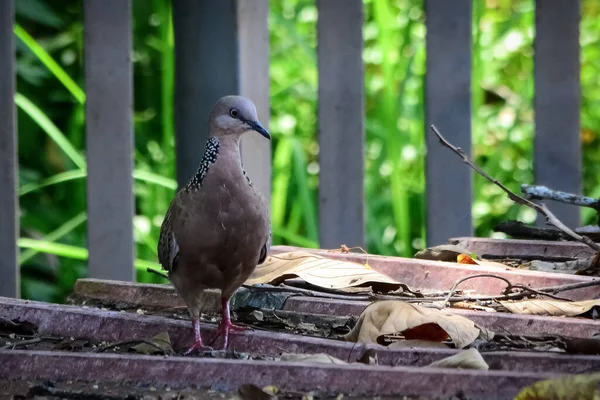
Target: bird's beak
[[256, 126]]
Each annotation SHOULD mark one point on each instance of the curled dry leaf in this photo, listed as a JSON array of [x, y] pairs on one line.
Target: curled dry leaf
[[465, 259], [457, 254], [555, 308], [312, 358], [393, 317], [582, 386], [468, 359], [159, 344], [444, 252], [253, 392], [320, 271]]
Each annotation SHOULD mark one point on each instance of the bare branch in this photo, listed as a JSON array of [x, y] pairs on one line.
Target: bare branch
[[538, 192], [540, 208]]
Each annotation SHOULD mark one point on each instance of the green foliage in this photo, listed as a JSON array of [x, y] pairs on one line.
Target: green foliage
[[51, 126]]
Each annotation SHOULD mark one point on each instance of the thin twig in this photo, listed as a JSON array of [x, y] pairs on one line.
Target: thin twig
[[466, 278], [539, 192], [569, 286], [537, 292], [540, 208], [130, 342], [157, 272], [21, 343]]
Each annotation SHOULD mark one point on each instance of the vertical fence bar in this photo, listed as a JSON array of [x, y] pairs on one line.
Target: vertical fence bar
[[206, 68], [9, 205], [448, 106], [253, 34], [341, 123], [109, 134], [557, 145]]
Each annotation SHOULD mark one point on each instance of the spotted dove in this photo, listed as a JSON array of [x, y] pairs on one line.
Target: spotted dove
[[217, 228]]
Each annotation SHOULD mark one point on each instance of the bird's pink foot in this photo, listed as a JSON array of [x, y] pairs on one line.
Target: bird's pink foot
[[223, 330], [198, 344], [226, 325]]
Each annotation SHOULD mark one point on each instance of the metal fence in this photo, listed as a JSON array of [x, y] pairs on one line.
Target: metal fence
[[222, 47]]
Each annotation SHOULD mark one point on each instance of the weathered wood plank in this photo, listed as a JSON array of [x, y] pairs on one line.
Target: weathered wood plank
[[448, 106], [206, 68], [557, 144], [109, 133], [253, 35], [341, 123], [9, 203]]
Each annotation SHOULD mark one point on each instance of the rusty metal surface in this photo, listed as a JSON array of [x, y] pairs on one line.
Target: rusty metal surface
[[152, 295], [440, 275], [519, 247], [102, 325], [500, 322], [229, 375]]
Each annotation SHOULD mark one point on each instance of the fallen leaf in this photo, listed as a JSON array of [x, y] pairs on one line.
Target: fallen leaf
[[320, 271], [575, 387], [557, 308], [253, 392], [311, 358], [444, 252], [162, 343], [457, 254], [468, 359], [465, 259], [392, 317]]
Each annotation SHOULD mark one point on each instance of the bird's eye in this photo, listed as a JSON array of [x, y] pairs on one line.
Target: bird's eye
[[234, 113]]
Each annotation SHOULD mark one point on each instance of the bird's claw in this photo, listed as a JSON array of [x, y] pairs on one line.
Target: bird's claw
[[223, 330], [197, 346]]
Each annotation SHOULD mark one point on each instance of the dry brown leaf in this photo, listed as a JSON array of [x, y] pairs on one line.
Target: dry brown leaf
[[571, 387], [312, 358], [443, 252], [253, 392], [468, 359], [465, 259], [320, 271], [557, 308], [396, 317], [162, 344]]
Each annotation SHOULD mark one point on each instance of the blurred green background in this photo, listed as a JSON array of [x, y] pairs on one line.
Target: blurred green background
[[51, 126]]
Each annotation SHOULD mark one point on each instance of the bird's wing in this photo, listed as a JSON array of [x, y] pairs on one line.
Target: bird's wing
[[168, 249]]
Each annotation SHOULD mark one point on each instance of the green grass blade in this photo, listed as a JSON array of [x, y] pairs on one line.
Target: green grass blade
[[53, 180], [282, 177], [143, 176], [55, 235], [49, 62], [304, 197], [294, 239], [74, 252], [151, 177], [48, 126]]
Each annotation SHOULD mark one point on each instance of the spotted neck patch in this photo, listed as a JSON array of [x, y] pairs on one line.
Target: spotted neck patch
[[211, 152]]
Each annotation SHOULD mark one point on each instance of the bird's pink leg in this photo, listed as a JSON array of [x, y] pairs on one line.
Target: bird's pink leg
[[226, 325], [198, 345]]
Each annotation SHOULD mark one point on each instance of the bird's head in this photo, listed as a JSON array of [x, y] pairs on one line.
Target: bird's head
[[234, 115]]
